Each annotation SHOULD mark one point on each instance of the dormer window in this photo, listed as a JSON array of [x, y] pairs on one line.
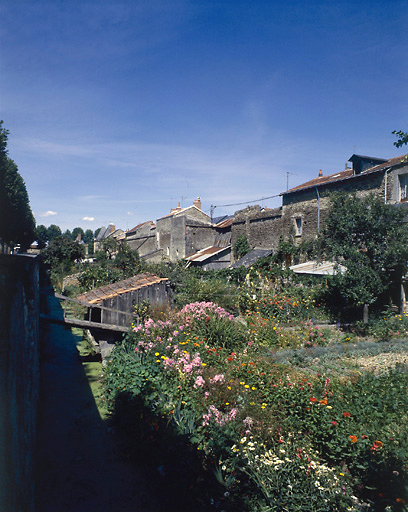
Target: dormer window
[[403, 188]]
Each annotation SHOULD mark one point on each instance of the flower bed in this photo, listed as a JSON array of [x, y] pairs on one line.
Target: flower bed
[[275, 436]]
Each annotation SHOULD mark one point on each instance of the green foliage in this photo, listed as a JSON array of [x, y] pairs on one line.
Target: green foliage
[[241, 247], [110, 270], [54, 231], [41, 236], [88, 237], [288, 439], [402, 138], [17, 224], [77, 231], [371, 240], [62, 251], [96, 275], [142, 310]]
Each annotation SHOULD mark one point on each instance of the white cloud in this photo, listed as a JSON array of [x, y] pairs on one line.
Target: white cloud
[[48, 213], [90, 219]]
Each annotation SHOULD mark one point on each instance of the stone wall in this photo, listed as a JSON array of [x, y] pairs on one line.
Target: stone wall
[[262, 227], [198, 236], [312, 207], [20, 380]]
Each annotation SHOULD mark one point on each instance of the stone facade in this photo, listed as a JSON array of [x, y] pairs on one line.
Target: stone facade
[[142, 239], [305, 207], [180, 233], [262, 227]]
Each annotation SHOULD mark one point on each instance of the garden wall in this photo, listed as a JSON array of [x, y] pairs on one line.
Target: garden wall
[[20, 379]]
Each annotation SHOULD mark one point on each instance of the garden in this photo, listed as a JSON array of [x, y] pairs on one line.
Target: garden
[[266, 409]]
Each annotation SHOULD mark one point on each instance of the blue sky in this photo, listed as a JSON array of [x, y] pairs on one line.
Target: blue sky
[[119, 110]]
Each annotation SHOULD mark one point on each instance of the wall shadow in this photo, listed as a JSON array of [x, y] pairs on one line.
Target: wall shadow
[[81, 464]]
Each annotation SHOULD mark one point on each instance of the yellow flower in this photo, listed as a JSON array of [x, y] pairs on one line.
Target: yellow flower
[[253, 388], [228, 387], [156, 354], [158, 361], [242, 383], [246, 386], [329, 407], [226, 403], [203, 364]]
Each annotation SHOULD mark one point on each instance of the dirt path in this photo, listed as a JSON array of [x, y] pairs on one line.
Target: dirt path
[[82, 465]]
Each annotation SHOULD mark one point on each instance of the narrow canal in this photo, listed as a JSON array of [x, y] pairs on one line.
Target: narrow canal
[[82, 464]]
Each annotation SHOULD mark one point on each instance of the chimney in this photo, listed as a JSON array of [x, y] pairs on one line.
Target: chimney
[[197, 203], [320, 173], [175, 210], [111, 228]]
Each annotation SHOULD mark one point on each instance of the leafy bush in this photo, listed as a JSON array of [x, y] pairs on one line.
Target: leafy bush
[[241, 247], [278, 437]]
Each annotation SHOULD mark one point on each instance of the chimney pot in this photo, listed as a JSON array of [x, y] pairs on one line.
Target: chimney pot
[[197, 203], [320, 173]]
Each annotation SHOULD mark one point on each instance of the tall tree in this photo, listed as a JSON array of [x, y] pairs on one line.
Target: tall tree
[[88, 236], [17, 224], [41, 236], [370, 239], [76, 232], [53, 231]]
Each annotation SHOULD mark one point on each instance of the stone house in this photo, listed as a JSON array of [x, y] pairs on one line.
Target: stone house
[[304, 207], [105, 233], [142, 238], [178, 234]]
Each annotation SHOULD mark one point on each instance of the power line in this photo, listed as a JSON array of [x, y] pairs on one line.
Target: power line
[[246, 202]]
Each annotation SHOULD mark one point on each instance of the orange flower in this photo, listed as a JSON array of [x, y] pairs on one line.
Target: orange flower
[[323, 402], [346, 414], [313, 399], [400, 500], [378, 444], [353, 439]]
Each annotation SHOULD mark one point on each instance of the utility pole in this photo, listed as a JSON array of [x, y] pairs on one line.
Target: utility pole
[[287, 178]]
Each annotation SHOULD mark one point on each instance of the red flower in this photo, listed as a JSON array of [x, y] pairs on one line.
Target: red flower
[[334, 423], [377, 444], [313, 399], [346, 414]]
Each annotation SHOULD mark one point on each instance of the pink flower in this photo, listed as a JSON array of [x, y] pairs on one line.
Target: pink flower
[[218, 378], [199, 382]]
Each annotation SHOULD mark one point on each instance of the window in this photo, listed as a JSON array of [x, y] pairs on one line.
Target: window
[[403, 183], [298, 226]]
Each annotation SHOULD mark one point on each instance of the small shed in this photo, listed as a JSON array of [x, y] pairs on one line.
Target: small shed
[[322, 268], [121, 297], [211, 258]]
